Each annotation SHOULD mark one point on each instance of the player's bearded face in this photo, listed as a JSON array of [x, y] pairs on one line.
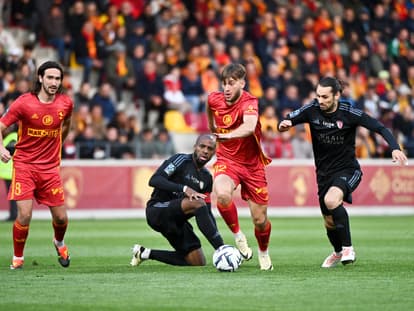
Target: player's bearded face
[[203, 152], [51, 81], [328, 101]]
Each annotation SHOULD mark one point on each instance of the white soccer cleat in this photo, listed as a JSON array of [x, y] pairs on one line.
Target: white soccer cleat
[[348, 255], [244, 249], [136, 255], [332, 260], [265, 262]]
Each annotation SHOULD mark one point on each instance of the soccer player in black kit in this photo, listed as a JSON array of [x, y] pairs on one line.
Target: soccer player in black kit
[[182, 187], [333, 122]]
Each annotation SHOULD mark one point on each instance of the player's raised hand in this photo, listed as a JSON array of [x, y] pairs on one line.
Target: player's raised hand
[[399, 157], [285, 125]]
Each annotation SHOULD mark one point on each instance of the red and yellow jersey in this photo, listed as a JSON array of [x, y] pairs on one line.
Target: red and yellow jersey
[[40, 129], [246, 150]]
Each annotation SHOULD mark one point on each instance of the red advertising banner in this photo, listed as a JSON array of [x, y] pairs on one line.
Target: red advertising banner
[[124, 185]]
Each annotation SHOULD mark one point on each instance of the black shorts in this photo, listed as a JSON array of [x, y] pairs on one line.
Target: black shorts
[[347, 181], [169, 219]]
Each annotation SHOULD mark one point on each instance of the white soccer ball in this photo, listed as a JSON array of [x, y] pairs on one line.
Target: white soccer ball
[[227, 258]]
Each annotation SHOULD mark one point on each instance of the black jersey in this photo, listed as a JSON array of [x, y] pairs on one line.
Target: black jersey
[[175, 173], [333, 134]]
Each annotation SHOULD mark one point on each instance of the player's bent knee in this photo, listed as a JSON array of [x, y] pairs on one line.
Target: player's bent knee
[[223, 199]]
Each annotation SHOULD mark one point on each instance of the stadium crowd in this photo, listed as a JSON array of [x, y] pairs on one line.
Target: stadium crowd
[[142, 59]]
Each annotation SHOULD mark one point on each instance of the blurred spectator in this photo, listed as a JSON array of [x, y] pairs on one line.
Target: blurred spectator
[[119, 70], [192, 87], [88, 48], [164, 146], [150, 90], [98, 122], [69, 146], [146, 145], [268, 118], [137, 37], [23, 14], [403, 124], [301, 146], [290, 98], [54, 31], [88, 146], [173, 93], [103, 98], [83, 95], [7, 40], [364, 144]]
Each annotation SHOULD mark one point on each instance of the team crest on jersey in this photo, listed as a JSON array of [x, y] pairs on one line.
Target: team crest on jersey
[[339, 124], [169, 169], [47, 119], [227, 120]]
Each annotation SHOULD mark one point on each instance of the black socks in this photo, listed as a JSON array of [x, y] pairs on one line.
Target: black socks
[[341, 221]]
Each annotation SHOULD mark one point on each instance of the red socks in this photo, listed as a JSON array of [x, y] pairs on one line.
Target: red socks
[[230, 216], [20, 234], [60, 230], [263, 237]]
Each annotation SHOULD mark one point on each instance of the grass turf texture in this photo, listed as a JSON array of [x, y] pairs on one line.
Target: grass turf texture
[[100, 277]]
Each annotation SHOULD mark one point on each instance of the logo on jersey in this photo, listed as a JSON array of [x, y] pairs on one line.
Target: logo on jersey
[[227, 120], [61, 115], [294, 113], [339, 124], [250, 108], [47, 119], [170, 169], [35, 116]]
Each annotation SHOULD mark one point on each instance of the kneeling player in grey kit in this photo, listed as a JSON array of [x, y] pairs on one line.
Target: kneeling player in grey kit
[[182, 187]]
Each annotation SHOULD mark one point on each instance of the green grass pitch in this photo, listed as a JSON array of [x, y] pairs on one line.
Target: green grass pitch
[[100, 277]]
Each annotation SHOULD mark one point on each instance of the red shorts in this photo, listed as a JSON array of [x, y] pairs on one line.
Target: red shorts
[[251, 179], [45, 187]]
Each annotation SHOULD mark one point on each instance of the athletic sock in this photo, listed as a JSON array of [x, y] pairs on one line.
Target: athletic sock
[[59, 230], [341, 221], [335, 239], [145, 253], [20, 234], [207, 225], [263, 236], [230, 216], [168, 257]]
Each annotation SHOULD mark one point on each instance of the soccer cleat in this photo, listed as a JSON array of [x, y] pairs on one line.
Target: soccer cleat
[[17, 264], [265, 262], [63, 255], [348, 255], [136, 255], [244, 248], [332, 260]]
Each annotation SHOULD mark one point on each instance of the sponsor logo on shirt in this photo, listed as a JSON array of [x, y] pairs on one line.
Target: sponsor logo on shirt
[[170, 169], [42, 133]]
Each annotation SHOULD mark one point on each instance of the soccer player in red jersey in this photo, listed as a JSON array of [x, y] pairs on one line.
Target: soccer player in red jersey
[[233, 117], [43, 117]]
